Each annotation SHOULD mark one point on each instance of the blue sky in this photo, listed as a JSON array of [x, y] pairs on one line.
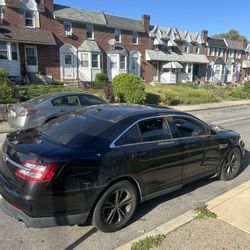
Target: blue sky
[[217, 16]]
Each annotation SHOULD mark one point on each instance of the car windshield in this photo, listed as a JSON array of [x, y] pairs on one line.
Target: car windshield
[[74, 130], [38, 100]]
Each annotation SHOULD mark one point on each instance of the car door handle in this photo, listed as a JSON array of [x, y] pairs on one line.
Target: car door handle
[[139, 155]]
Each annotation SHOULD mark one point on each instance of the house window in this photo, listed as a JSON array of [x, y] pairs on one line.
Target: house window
[[95, 61], [29, 18], [1, 14], [85, 60], [101, 61], [3, 50], [221, 52], [186, 48], [90, 31], [135, 38], [198, 49], [13, 51], [217, 51], [67, 29], [189, 68], [118, 35], [212, 51], [239, 54], [122, 62], [217, 69]]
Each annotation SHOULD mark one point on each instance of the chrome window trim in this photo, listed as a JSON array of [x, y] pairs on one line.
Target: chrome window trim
[[112, 145]]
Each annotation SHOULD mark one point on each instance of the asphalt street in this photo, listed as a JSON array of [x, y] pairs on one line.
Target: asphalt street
[[14, 235]]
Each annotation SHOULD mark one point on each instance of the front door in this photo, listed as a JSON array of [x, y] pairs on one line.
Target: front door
[[31, 58], [112, 66], [68, 66], [135, 64]]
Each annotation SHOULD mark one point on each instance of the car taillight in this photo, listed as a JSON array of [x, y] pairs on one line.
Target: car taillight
[[28, 111], [36, 172]]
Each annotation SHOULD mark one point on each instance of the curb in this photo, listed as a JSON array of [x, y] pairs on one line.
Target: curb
[[187, 217], [163, 229]]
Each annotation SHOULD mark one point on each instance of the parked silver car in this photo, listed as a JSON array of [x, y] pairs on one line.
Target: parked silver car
[[40, 110]]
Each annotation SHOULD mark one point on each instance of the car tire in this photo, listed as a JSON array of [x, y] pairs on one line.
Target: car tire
[[115, 207], [231, 164]]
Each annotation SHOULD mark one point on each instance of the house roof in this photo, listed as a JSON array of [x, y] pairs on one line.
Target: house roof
[[124, 23], [118, 48], [97, 18], [157, 55], [216, 42], [89, 45], [34, 36], [79, 15], [235, 44]]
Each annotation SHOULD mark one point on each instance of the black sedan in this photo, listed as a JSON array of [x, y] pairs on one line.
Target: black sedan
[[99, 162]]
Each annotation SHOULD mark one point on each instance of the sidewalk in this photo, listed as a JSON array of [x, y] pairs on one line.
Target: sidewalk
[[231, 229]]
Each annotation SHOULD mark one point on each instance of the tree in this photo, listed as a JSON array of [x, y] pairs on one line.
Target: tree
[[232, 35]]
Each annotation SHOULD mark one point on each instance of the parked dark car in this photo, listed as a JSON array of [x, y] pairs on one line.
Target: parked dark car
[[39, 110], [99, 162]]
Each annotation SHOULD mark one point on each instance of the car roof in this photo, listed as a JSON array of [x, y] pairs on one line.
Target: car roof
[[117, 112]]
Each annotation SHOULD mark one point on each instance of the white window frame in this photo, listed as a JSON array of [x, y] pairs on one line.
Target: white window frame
[[217, 69], [189, 68], [91, 29], [82, 61], [11, 52], [1, 14], [98, 60], [135, 36], [221, 52], [186, 48], [5, 51], [198, 49], [125, 63], [118, 34], [67, 32], [30, 18]]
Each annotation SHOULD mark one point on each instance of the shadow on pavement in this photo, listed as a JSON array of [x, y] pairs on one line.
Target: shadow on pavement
[[246, 162], [81, 239]]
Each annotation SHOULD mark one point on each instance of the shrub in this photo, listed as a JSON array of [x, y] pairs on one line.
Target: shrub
[[192, 85], [100, 80], [57, 82], [247, 86], [6, 94], [4, 74], [129, 88]]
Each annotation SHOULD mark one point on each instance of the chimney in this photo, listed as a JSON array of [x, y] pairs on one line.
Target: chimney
[[204, 34], [146, 22]]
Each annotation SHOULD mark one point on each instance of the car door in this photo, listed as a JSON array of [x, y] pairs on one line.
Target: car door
[[192, 136], [154, 155], [65, 104]]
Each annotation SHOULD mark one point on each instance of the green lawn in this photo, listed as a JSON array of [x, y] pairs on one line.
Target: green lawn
[[191, 93]]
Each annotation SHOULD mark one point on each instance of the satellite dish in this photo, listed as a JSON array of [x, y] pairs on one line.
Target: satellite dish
[[112, 42]]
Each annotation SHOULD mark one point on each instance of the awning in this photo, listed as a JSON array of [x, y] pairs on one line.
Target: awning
[[89, 45], [246, 64], [155, 55], [172, 65], [32, 36]]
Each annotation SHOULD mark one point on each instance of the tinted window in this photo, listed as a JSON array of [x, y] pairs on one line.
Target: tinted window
[[74, 131], [71, 100], [187, 127], [90, 100], [130, 137], [37, 100], [154, 130]]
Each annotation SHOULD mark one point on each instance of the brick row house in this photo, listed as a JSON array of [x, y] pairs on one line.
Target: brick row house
[[41, 38]]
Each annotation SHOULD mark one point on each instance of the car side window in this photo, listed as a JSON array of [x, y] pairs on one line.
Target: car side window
[[188, 127], [154, 130], [57, 102], [130, 137], [90, 100]]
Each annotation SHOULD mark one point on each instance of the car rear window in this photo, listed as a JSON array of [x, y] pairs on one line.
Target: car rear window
[[38, 100], [74, 131]]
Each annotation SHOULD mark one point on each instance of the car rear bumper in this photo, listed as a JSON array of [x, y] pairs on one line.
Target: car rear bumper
[[42, 222]]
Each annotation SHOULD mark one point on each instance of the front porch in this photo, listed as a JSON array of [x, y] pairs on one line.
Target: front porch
[[171, 68]]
